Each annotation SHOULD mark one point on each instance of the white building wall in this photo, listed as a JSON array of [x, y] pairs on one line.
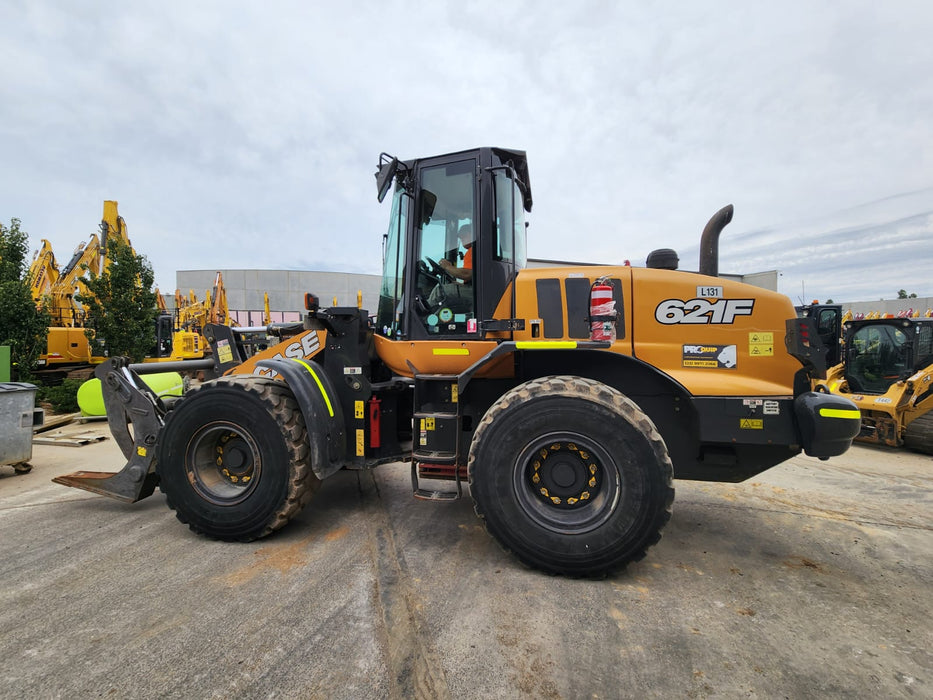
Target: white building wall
[[286, 288]]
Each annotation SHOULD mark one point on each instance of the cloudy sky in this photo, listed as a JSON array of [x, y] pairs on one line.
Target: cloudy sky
[[244, 135]]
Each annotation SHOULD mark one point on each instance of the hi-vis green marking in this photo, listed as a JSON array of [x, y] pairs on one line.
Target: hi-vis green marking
[[840, 413], [330, 409], [546, 344]]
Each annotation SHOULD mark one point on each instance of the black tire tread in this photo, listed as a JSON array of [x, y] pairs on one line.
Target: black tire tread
[[582, 387], [919, 434], [283, 408]]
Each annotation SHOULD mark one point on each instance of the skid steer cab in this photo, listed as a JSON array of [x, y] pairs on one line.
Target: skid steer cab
[[887, 370], [566, 398]]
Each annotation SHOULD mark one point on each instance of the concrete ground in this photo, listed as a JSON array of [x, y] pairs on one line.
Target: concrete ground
[[814, 579]]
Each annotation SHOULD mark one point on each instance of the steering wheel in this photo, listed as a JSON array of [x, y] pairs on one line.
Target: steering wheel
[[437, 271], [426, 280]]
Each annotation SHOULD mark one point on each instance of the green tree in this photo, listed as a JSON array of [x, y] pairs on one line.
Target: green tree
[[121, 305], [22, 326]]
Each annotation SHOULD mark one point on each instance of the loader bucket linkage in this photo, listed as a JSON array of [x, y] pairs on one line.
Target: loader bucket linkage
[[128, 401]]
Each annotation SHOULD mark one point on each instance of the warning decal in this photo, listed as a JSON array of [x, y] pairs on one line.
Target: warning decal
[[709, 356], [224, 352], [760, 344], [751, 424]]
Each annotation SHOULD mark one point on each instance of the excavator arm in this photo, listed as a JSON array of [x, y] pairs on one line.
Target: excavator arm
[[43, 273]]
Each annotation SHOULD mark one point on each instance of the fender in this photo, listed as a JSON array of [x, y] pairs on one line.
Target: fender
[[320, 407]]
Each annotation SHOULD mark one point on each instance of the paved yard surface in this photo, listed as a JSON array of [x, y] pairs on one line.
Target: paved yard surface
[[814, 579]]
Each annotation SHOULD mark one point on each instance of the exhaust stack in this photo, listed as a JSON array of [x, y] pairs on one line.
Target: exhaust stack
[[709, 241]]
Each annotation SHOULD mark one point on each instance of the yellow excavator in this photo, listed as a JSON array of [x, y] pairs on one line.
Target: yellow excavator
[[178, 333], [190, 317], [68, 349]]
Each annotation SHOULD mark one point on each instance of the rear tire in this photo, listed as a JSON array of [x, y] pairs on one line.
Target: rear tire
[[919, 434], [233, 458], [571, 476]]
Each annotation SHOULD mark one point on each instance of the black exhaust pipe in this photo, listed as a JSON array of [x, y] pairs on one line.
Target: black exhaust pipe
[[709, 241]]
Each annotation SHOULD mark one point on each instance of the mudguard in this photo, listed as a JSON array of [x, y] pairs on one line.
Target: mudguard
[[827, 423], [321, 409]]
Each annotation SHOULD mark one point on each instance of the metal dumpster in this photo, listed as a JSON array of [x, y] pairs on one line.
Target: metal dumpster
[[17, 418]]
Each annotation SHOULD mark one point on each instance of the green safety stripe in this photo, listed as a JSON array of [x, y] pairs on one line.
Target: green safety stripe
[[840, 413], [546, 344], [320, 386]]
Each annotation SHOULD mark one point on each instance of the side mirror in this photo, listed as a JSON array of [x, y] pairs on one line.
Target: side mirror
[[428, 202], [385, 176]]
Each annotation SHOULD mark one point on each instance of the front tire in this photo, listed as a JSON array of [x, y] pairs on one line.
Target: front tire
[[233, 458], [571, 476]]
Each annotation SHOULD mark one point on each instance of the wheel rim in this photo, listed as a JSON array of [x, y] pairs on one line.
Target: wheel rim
[[566, 483], [223, 463]]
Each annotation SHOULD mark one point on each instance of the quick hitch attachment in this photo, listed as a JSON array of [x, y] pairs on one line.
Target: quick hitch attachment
[[127, 400]]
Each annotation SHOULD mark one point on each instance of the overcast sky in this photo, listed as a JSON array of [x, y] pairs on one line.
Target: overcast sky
[[245, 134]]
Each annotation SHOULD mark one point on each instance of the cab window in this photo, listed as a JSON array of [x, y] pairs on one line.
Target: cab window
[[510, 221], [389, 315], [444, 297], [878, 357]]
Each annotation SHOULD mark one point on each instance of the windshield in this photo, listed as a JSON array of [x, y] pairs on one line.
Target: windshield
[[389, 314], [879, 355]]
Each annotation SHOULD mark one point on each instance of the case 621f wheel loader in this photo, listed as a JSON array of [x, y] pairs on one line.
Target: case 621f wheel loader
[[568, 419]]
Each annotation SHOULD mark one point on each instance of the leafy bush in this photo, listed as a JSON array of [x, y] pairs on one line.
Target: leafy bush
[[22, 325], [121, 305], [63, 397]]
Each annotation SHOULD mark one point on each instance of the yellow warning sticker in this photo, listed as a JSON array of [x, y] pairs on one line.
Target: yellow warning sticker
[[751, 424], [360, 442], [224, 352], [428, 424], [760, 344], [358, 410], [453, 393]]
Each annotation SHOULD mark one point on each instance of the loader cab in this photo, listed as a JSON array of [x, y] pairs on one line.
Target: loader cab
[[455, 240]]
